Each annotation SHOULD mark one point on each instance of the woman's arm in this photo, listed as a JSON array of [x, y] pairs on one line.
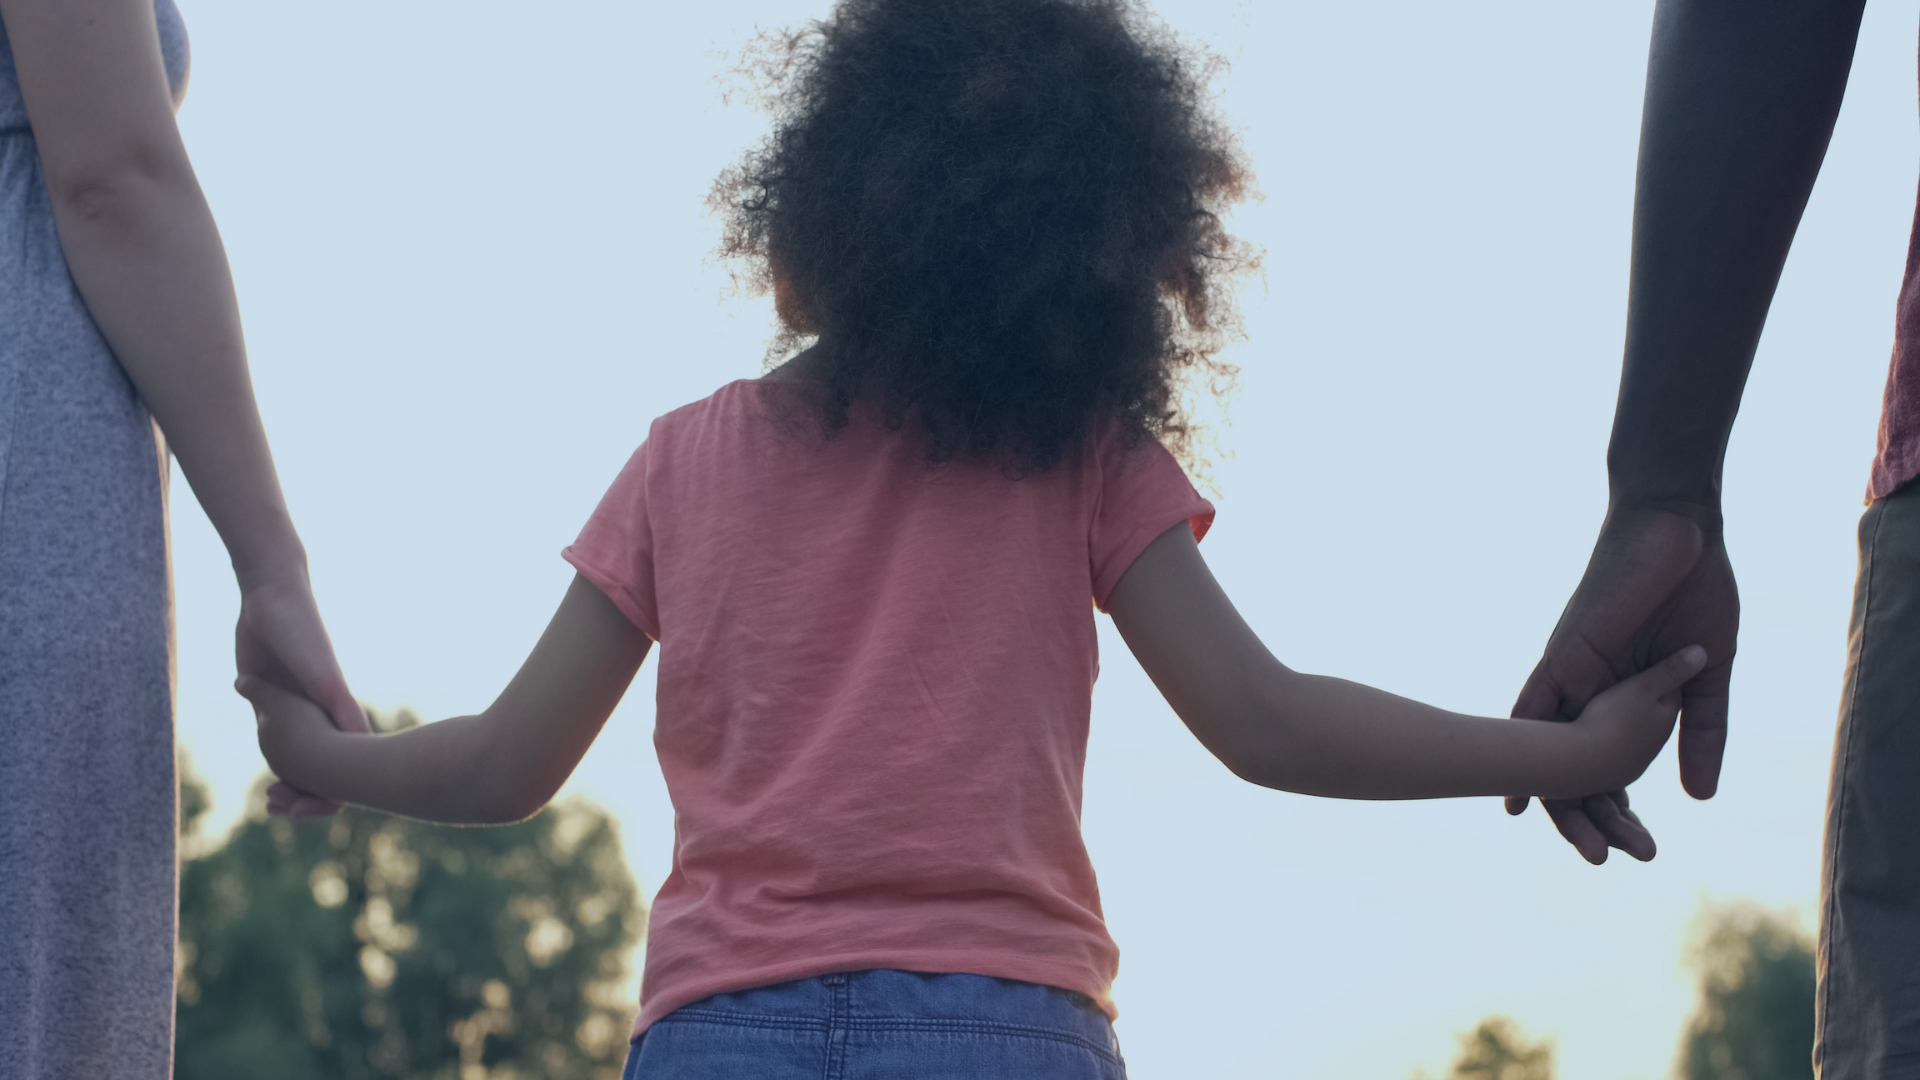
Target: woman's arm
[[142, 246], [502, 765], [1321, 736]]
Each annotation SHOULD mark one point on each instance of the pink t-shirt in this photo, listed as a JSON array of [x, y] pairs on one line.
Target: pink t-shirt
[[874, 686]]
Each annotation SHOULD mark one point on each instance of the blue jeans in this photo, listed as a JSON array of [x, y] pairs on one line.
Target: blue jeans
[[883, 1025]]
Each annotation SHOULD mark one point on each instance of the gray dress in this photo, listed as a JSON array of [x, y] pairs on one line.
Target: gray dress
[[87, 796]]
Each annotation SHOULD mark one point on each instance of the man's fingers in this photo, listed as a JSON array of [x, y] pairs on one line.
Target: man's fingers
[[1703, 730], [1570, 817], [1609, 814], [1540, 698]]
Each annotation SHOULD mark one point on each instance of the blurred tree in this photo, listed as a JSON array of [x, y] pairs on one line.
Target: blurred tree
[[1755, 1017], [195, 799], [1497, 1050], [376, 947]]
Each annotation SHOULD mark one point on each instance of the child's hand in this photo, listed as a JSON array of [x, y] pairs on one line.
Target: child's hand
[[292, 732], [1631, 720]]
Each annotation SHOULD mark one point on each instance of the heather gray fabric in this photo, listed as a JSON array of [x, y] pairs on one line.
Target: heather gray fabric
[[87, 797], [1869, 961]]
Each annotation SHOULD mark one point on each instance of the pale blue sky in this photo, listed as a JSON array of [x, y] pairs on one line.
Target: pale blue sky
[[473, 262]]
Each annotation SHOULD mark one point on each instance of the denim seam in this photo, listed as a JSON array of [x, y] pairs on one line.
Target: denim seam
[[831, 1028], [984, 1027], [842, 1008], [1868, 553], [685, 1015]]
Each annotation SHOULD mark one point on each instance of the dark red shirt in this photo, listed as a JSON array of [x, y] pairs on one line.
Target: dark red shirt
[[1898, 458]]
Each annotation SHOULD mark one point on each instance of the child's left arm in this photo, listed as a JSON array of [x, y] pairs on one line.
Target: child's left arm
[[502, 765]]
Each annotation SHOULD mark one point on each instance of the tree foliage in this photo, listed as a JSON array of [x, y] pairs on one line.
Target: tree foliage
[[376, 947], [1498, 1050], [1755, 1017]]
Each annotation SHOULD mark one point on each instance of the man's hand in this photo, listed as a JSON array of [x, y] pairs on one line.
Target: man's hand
[[1658, 580]]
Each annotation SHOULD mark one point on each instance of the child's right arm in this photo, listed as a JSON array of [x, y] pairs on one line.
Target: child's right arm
[[1322, 736], [501, 765]]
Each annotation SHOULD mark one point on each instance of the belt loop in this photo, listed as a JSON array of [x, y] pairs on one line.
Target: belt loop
[[838, 1016]]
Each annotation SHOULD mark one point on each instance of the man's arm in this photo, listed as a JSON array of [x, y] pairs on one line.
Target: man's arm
[[1740, 104]]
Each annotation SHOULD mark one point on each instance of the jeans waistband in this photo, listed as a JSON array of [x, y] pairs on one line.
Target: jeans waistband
[[885, 999]]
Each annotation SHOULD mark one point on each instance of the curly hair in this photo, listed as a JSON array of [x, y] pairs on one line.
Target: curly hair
[[999, 216]]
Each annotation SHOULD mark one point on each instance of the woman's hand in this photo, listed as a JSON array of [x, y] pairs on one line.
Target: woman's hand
[[281, 641], [502, 765]]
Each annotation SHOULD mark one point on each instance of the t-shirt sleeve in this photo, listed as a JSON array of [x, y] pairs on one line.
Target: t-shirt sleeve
[[1141, 493], [615, 549]]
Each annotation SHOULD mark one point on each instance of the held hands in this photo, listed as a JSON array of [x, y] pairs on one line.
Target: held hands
[[1658, 580], [292, 731], [1628, 723], [281, 641]]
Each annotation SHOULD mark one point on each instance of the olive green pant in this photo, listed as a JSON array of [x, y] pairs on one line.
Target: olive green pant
[[1868, 1003]]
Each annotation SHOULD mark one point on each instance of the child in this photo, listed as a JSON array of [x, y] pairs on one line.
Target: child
[[869, 571]]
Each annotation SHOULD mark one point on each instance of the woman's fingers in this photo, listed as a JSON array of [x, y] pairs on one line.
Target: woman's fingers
[[308, 654], [329, 691], [312, 663], [288, 801], [282, 638], [268, 697]]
